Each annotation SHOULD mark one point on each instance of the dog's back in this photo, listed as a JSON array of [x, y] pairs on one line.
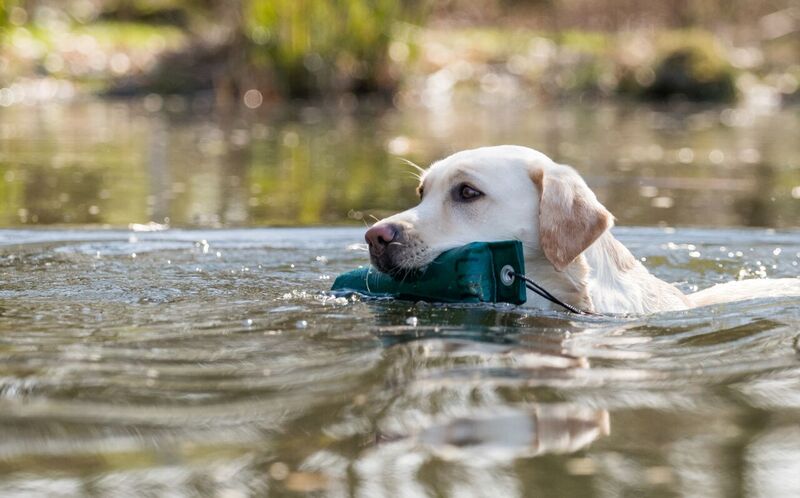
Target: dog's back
[[746, 289]]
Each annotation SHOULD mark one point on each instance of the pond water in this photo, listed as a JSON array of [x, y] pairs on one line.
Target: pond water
[[212, 362], [173, 160], [206, 359]]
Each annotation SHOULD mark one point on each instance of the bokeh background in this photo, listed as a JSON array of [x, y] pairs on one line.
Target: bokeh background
[[206, 362], [297, 112]]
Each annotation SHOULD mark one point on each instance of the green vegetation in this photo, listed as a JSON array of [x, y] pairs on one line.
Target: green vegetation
[[286, 49], [5, 11], [658, 66], [315, 46], [691, 64]]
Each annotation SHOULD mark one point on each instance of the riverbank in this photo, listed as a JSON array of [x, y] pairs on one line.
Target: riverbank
[[431, 64]]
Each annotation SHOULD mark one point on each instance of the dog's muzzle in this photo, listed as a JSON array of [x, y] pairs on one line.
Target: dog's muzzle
[[386, 243]]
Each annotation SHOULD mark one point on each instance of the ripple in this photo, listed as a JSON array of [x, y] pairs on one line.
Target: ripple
[[250, 360]]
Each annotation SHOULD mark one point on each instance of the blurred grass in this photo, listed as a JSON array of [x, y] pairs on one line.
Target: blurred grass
[[687, 62], [129, 35], [323, 46], [5, 9], [328, 48], [108, 35], [652, 66]]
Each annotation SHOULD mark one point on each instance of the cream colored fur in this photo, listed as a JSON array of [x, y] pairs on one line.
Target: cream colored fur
[[569, 249]]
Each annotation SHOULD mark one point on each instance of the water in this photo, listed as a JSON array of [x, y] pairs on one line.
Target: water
[[207, 359], [116, 163], [214, 363]]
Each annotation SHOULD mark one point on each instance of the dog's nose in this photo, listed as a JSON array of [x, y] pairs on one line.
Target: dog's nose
[[380, 236]]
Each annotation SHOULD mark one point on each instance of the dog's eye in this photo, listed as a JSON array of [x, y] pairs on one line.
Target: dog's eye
[[468, 193]]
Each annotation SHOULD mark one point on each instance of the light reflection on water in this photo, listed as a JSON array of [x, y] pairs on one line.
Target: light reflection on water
[[187, 372], [117, 163]]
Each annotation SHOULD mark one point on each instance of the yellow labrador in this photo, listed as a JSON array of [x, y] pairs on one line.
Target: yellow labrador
[[511, 192]]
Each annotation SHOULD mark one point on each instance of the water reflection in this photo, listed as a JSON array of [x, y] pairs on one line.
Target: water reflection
[[478, 453], [458, 414], [537, 430], [118, 163]]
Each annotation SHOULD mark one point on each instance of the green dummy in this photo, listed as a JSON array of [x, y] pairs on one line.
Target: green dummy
[[480, 272]]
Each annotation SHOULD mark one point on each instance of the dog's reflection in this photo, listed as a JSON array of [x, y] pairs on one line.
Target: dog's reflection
[[480, 450], [477, 396], [533, 430], [471, 400]]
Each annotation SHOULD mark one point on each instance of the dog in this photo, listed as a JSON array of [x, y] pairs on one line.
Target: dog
[[514, 192]]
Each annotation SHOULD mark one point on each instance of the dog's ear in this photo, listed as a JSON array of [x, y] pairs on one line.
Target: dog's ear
[[570, 216]]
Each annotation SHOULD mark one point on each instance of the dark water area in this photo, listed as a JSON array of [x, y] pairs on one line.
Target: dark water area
[[212, 362], [175, 162]]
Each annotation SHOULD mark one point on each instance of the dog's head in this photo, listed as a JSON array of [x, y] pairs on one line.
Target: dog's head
[[492, 194]]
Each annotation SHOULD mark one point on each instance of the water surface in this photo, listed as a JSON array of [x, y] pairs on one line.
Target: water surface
[[207, 359], [176, 161], [212, 362]]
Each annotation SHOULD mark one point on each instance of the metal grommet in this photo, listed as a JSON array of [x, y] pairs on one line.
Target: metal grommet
[[507, 275]]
